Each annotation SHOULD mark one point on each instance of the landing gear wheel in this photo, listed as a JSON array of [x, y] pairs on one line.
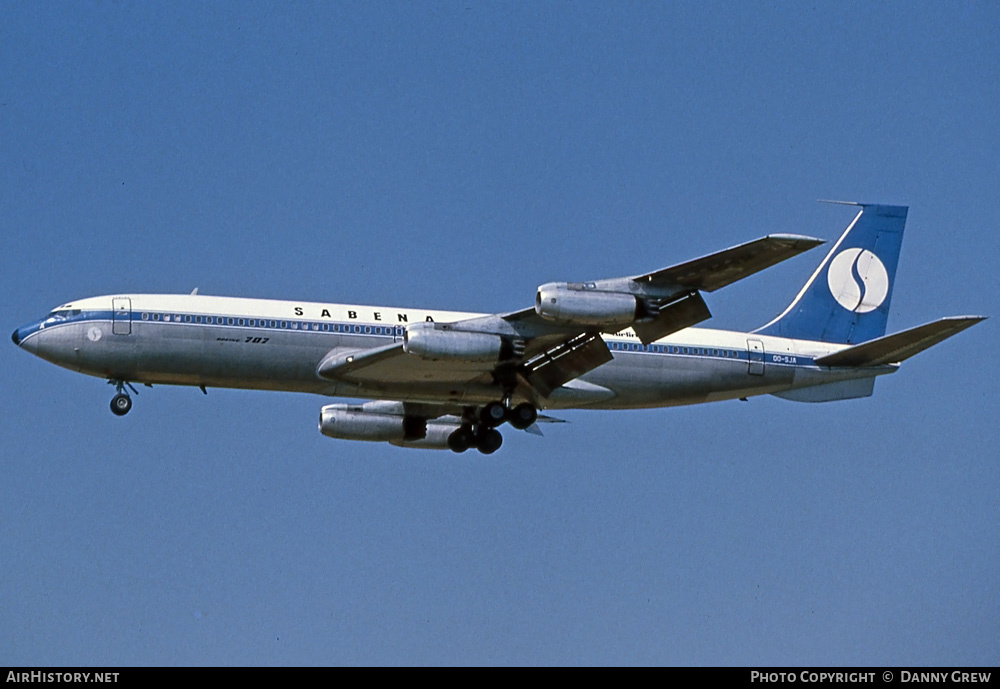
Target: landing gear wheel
[[489, 441], [120, 404], [522, 416], [461, 439], [493, 414]]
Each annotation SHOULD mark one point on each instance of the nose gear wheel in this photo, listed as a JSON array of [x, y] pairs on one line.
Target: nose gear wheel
[[121, 403]]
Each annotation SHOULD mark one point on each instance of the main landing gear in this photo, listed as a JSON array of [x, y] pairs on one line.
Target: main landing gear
[[121, 403], [486, 440], [479, 430], [496, 413]]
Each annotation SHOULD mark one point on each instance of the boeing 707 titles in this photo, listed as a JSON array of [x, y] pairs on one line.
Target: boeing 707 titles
[[447, 380]]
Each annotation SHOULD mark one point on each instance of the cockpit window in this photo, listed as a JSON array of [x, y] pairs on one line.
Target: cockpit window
[[62, 314]]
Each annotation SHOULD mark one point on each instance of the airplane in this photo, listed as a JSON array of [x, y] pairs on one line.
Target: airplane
[[449, 380]]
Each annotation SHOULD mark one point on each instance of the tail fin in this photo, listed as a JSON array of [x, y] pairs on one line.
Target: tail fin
[[846, 300]]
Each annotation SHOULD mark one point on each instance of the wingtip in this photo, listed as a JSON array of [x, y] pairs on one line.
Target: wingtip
[[971, 320], [798, 240], [965, 317]]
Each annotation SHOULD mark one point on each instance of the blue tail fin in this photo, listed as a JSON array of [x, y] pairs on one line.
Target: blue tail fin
[[847, 299]]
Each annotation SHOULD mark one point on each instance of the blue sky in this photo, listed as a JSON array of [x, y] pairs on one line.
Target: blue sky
[[455, 156]]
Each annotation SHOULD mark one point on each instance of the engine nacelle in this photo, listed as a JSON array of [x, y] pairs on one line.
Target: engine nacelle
[[435, 439], [349, 422], [574, 304], [428, 341]]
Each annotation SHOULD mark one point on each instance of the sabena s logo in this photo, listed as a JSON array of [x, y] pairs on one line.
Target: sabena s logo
[[858, 280]]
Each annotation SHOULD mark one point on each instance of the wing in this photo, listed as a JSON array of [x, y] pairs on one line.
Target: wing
[[722, 268], [391, 365], [663, 301], [535, 351]]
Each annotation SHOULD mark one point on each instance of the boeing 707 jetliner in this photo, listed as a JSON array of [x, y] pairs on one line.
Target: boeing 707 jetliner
[[445, 380]]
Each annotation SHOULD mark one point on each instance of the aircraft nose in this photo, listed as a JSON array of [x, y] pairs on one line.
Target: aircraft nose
[[16, 337]]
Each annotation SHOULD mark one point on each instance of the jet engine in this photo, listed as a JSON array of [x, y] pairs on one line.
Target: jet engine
[[430, 341], [353, 422], [435, 439], [575, 304]]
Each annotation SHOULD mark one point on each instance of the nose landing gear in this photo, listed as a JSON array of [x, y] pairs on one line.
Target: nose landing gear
[[121, 403]]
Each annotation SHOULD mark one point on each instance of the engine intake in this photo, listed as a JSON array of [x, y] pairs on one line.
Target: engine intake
[[574, 304]]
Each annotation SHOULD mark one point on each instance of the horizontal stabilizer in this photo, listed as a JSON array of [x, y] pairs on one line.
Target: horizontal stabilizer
[[891, 349], [722, 268], [533, 429]]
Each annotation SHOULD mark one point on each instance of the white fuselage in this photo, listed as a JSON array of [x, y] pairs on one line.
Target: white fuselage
[[277, 345]]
